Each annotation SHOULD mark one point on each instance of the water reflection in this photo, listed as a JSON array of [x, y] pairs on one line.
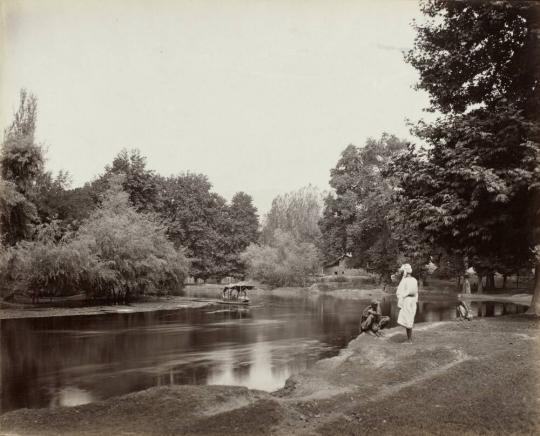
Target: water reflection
[[71, 396], [73, 360], [66, 361]]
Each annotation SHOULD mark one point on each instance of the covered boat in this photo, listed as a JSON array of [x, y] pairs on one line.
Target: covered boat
[[237, 291]]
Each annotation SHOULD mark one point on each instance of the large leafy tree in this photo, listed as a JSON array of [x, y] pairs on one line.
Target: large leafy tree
[[133, 246], [117, 253], [72, 206], [474, 190], [477, 52], [21, 163], [297, 213], [243, 230], [139, 182], [468, 193], [285, 262], [52, 198], [196, 218], [357, 214]]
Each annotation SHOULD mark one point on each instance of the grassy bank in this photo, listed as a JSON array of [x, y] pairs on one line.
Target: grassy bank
[[478, 377]]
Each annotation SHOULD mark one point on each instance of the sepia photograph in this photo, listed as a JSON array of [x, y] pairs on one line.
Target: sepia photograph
[[269, 217]]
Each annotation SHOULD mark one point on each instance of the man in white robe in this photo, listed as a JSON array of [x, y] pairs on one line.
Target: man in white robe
[[407, 295]]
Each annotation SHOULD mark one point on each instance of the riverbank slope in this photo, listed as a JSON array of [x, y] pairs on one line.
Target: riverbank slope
[[457, 378]]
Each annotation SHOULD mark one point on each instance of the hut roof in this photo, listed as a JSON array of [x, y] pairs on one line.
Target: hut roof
[[336, 261]]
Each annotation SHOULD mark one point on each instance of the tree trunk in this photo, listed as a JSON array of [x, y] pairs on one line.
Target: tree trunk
[[504, 282], [480, 284], [490, 281], [534, 308]]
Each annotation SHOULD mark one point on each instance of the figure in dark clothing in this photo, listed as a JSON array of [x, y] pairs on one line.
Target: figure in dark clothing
[[372, 319], [463, 312]]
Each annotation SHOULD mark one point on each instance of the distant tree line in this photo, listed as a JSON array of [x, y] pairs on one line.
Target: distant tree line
[[128, 233], [466, 195]]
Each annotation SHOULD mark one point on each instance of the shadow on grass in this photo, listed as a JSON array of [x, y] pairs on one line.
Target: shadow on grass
[[398, 338]]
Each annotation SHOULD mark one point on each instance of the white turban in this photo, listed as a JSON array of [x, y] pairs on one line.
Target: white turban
[[406, 268]]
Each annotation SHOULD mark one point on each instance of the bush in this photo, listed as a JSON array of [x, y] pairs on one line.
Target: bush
[[338, 279], [116, 254], [285, 263], [53, 269], [135, 255]]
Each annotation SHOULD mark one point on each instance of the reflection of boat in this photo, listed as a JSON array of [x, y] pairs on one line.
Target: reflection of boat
[[236, 293]]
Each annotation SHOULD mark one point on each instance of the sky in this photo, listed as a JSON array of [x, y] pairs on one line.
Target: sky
[[261, 96]]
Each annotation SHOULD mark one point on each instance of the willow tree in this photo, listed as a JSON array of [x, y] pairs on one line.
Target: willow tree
[[297, 213], [133, 247]]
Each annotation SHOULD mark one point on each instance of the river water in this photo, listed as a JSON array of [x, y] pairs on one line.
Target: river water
[[67, 361]]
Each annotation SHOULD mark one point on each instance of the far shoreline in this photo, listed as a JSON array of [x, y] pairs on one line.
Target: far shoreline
[[163, 303], [26, 311]]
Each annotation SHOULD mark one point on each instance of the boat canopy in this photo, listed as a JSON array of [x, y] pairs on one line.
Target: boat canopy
[[240, 285]]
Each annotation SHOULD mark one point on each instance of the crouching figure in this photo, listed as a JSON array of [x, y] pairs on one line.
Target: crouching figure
[[373, 320], [463, 312]]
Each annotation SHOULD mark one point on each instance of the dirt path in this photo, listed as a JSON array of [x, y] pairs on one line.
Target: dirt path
[[478, 377]]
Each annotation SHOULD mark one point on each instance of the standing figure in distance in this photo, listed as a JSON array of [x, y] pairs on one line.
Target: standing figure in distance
[[466, 289], [407, 295]]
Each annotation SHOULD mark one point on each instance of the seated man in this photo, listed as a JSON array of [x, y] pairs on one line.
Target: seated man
[[463, 312], [372, 319]]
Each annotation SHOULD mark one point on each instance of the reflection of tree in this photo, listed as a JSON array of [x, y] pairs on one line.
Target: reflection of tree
[[134, 351], [39, 355], [19, 370], [433, 311]]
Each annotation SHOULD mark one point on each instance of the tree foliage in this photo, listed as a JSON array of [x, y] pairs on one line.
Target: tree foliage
[[48, 266], [212, 232], [127, 242], [286, 262], [133, 246], [356, 218], [297, 213], [477, 52], [469, 192], [21, 163], [192, 213], [139, 182], [243, 230], [117, 254], [474, 189]]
